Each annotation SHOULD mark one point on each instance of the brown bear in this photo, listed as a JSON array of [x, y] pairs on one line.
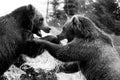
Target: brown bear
[[89, 46], [16, 29]]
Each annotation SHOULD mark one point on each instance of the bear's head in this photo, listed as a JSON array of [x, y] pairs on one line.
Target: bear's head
[[30, 20], [38, 23], [78, 26]]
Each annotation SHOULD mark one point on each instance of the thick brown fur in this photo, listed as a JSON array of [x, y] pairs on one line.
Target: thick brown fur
[[89, 46], [15, 29]]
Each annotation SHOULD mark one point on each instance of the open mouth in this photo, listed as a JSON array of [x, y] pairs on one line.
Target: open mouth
[[39, 33]]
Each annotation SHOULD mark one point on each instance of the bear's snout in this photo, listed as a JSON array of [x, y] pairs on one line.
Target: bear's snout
[[46, 29]]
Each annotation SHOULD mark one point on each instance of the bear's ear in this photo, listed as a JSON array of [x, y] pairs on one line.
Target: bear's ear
[[76, 23], [31, 10], [30, 7], [81, 26]]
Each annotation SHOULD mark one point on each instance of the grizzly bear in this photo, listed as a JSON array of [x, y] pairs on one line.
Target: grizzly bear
[[16, 29], [89, 46]]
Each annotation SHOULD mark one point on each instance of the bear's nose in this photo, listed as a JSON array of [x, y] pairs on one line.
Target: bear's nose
[[48, 30]]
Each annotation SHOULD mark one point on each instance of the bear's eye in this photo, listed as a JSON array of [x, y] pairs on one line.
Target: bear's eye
[[41, 19], [64, 29]]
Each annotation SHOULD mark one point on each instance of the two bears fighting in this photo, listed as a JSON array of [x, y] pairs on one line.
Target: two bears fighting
[[89, 47]]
